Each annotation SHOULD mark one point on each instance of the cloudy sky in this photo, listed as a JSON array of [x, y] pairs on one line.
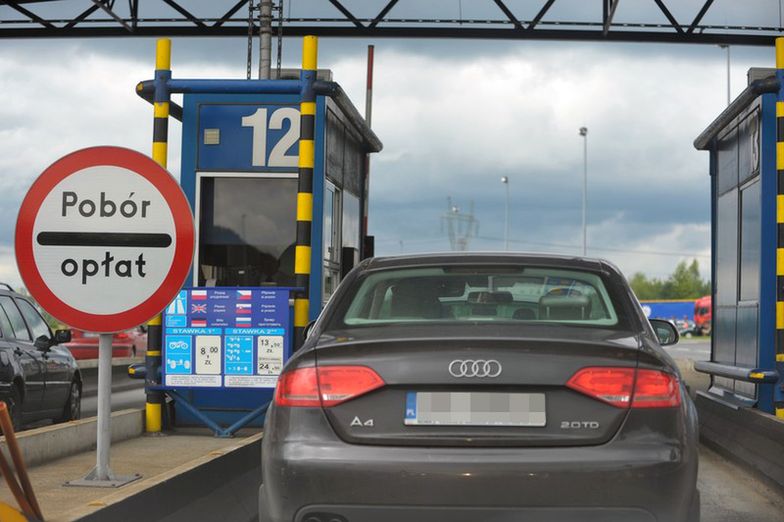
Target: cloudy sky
[[454, 116]]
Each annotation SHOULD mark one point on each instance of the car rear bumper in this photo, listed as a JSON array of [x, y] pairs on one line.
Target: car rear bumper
[[627, 479]]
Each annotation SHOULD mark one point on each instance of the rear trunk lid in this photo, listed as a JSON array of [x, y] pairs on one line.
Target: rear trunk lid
[[507, 388]]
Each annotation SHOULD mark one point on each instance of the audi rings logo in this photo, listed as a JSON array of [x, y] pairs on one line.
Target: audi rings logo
[[475, 368]]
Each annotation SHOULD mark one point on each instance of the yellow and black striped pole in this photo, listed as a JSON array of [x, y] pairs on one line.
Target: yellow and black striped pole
[[160, 149], [307, 130], [778, 393]]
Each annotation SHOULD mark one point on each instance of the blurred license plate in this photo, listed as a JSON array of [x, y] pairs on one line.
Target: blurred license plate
[[475, 409]]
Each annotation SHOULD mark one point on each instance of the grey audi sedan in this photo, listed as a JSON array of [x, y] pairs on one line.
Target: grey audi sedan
[[482, 387]]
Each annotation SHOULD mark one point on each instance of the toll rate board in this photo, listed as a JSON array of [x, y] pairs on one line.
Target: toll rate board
[[226, 337]]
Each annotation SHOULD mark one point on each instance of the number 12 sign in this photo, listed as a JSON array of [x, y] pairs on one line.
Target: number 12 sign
[[248, 137]]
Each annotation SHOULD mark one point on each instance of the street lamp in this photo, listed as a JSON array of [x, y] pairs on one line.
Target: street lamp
[[726, 46], [505, 181], [584, 134]]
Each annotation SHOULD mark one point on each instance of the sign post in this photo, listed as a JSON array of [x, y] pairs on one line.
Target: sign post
[[104, 241]]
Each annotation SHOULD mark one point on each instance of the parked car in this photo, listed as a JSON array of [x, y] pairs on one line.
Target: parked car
[[686, 327], [479, 387], [39, 378], [84, 345]]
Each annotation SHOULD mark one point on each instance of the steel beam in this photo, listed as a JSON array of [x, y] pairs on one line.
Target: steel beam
[[669, 16], [509, 14], [184, 12], [609, 13], [700, 15], [540, 14], [348, 14], [387, 8], [224, 21]]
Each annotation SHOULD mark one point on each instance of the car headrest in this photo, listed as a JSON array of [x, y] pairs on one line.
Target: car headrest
[[569, 307]]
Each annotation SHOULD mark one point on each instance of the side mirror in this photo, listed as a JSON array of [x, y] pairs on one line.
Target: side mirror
[[43, 343], [62, 336], [665, 332]]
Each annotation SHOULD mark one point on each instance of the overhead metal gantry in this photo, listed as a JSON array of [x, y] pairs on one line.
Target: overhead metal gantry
[[673, 21]]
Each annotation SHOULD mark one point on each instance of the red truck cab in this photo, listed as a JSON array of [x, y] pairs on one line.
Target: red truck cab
[[703, 315]]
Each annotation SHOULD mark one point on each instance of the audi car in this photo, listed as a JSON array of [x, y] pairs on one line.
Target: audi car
[[482, 387]]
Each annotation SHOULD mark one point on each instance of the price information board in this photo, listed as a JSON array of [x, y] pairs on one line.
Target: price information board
[[226, 337]]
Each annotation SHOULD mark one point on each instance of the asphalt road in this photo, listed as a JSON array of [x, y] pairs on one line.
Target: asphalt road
[[730, 494], [121, 399], [695, 349]]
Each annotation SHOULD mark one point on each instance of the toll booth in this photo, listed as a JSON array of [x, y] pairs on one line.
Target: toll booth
[[229, 333], [745, 238]]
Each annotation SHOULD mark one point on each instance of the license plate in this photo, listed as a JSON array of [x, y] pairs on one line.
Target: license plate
[[475, 409]]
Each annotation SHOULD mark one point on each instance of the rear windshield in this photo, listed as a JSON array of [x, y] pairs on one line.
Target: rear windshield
[[480, 294]]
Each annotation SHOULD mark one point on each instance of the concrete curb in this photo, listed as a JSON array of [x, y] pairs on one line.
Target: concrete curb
[[187, 492], [749, 437], [61, 440]]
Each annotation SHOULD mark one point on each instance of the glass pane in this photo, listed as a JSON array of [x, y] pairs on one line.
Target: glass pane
[[247, 231], [350, 221], [728, 161], [481, 294], [727, 249], [35, 322], [17, 323], [329, 210], [750, 242]]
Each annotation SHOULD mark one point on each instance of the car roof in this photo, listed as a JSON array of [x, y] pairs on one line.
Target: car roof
[[437, 258]]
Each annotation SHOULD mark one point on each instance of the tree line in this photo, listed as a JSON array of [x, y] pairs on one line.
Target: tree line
[[684, 283]]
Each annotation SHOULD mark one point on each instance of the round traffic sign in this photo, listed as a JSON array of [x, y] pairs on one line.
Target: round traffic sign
[[104, 239]]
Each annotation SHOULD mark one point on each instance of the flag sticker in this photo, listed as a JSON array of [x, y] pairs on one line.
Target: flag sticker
[[198, 308], [243, 308], [243, 322], [198, 295], [244, 295]]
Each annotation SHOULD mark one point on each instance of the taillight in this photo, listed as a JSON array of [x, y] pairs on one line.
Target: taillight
[[655, 389], [298, 388], [625, 387], [325, 385]]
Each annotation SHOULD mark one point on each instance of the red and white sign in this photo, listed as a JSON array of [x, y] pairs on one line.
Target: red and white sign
[[104, 239]]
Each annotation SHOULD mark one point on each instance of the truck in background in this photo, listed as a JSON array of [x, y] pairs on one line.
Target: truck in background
[[703, 315]]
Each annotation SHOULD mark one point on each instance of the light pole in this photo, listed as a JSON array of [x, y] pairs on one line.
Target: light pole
[[584, 134], [726, 46], [505, 181]]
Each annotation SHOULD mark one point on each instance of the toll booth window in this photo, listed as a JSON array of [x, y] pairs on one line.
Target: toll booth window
[[350, 220], [350, 232], [750, 242], [247, 231], [332, 205], [727, 249]]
